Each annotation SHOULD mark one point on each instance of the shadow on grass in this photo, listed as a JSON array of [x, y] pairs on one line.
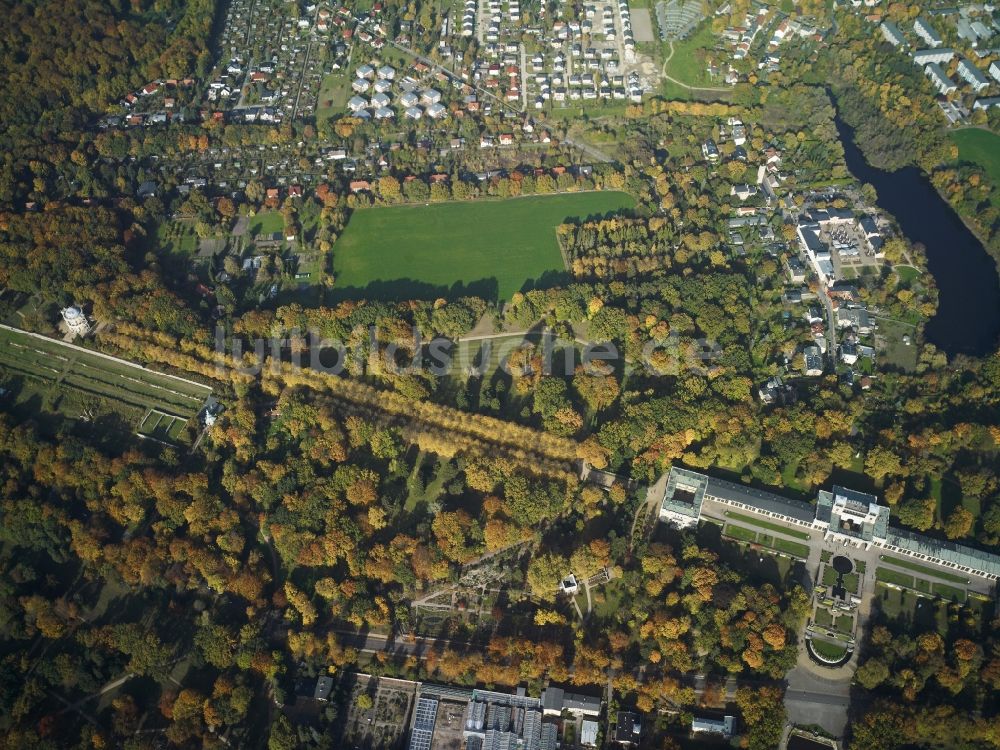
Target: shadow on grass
[[409, 289]]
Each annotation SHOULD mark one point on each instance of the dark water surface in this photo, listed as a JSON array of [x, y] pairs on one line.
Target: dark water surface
[[968, 315]]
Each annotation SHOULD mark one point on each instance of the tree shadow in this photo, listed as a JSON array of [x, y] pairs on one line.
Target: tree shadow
[[547, 280], [407, 289]]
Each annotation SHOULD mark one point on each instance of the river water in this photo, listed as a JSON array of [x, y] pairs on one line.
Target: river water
[[968, 316]]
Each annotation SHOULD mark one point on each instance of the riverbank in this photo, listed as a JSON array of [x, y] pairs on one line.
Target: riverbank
[[966, 274]]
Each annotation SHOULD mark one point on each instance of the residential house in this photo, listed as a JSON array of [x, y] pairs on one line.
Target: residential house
[[849, 352], [437, 111], [972, 32], [776, 391], [925, 31], [940, 79], [555, 700], [923, 57], [892, 34], [812, 361], [723, 726], [796, 269], [628, 728], [588, 733], [972, 75], [324, 686], [856, 318]]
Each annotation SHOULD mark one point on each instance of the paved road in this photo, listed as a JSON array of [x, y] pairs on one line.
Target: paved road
[[804, 696], [831, 324]]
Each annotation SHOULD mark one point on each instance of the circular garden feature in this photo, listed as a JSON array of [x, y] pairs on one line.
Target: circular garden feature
[[842, 565], [828, 654]]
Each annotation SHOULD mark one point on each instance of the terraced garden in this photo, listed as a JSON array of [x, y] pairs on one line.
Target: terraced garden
[[76, 381]]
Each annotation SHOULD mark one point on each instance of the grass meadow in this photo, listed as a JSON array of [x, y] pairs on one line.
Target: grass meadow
[[491, 248]]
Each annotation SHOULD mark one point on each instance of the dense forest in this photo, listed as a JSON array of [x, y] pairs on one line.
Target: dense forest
[[66, 62]]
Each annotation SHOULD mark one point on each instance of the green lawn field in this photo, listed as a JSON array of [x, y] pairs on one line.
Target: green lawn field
[[980, 147], [688, 64], [486, 248], [944, 575], [267, 222], [780, 528], [827, 650], [891, 576]]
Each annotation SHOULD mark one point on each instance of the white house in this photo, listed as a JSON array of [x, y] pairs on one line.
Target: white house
[[723, 726], [813, 357], [924, 57], [972, 75], [357, 103], [743, 191], [940, 79], [925, 31], [892, 34], [436, 111]]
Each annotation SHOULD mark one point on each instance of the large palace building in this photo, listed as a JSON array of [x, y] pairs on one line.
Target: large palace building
[[843, 516]]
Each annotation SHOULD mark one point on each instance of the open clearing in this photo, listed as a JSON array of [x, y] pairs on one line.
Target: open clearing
[[492, 248], [980, 147], [48, 367]]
